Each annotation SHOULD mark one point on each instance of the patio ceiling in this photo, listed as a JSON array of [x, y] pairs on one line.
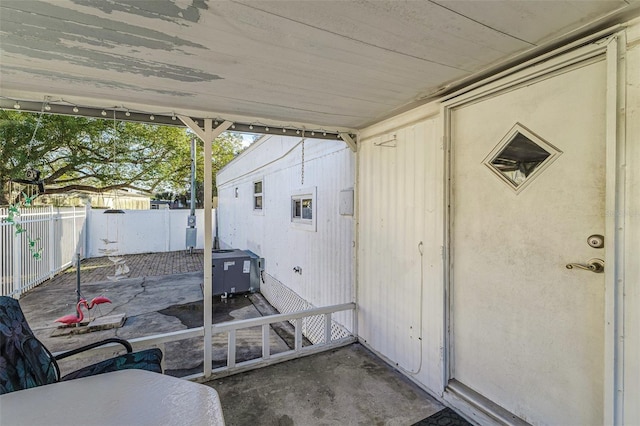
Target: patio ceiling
[[328, 64]]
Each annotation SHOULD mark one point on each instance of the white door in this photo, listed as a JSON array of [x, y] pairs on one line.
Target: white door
[[528, 188]]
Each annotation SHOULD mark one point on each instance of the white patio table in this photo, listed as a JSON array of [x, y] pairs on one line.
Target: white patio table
[[127, 397]]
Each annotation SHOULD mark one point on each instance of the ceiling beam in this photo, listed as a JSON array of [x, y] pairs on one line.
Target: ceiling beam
[[164, 119]]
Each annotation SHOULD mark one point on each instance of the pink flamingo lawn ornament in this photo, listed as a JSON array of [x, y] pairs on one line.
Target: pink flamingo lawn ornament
[[97, 301], [75, 319]]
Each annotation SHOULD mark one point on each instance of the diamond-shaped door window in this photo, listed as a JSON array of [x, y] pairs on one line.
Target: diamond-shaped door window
[[520, 156]]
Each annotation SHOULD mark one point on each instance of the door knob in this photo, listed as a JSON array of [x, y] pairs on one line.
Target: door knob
[[593, 265]]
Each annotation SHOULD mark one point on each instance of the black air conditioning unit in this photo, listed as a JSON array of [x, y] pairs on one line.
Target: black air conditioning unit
[[236, 271]]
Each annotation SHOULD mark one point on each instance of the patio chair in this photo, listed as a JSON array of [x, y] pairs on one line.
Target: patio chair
[[25, 362]]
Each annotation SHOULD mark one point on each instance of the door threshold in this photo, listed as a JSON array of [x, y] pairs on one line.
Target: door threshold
[[480, 403]]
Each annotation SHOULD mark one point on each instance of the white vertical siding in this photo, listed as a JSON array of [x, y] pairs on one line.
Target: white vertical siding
[[326, 254], [400, 236], [400, 191], [401, 202]]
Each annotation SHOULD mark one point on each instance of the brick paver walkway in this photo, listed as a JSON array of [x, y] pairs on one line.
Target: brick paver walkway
[[140, 265]]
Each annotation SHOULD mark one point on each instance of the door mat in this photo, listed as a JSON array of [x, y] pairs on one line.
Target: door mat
[[446, 417]]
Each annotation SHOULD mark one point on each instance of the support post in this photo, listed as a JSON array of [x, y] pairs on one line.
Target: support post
[[327, 328], [194, 126], [207, 135], [231, 349], [266, 343], [349, 141], [298, 334]]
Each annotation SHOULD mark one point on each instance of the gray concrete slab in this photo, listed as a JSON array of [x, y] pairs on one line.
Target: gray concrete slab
[[132, 296], [346, 386], [152, 305]]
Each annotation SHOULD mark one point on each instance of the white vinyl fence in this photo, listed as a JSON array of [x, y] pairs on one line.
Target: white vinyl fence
[[57, 234], [50, 239], [141, 231]]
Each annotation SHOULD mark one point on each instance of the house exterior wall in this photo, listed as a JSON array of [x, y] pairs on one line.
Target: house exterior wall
[[401, 203], [400, 276], [324, 252], [400, 238]]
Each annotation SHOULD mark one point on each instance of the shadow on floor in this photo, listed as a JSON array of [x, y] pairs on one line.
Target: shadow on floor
[[249, 341], [345, 386]]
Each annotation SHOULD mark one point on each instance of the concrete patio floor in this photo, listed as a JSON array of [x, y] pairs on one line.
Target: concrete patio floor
[[170, 300], [346, 386]]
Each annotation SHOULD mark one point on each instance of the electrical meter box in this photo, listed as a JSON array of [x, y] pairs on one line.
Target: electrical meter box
[[235, 271], [191, 237]]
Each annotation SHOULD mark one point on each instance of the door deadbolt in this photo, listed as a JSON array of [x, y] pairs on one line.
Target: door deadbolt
[[596, 241]]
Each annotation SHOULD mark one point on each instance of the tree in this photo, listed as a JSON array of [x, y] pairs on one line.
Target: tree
[[75, 153], [224, 149]]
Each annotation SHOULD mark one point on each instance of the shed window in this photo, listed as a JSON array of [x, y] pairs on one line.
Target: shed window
[[257, 195], [304, 209]]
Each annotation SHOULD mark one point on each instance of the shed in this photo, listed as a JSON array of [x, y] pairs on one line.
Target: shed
[[281, 199]]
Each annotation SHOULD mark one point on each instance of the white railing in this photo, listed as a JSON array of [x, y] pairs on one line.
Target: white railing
[[57, 234], [232, 327]]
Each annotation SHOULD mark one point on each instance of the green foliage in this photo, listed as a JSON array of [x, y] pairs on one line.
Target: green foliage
[[75, 153], [13, 213]]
